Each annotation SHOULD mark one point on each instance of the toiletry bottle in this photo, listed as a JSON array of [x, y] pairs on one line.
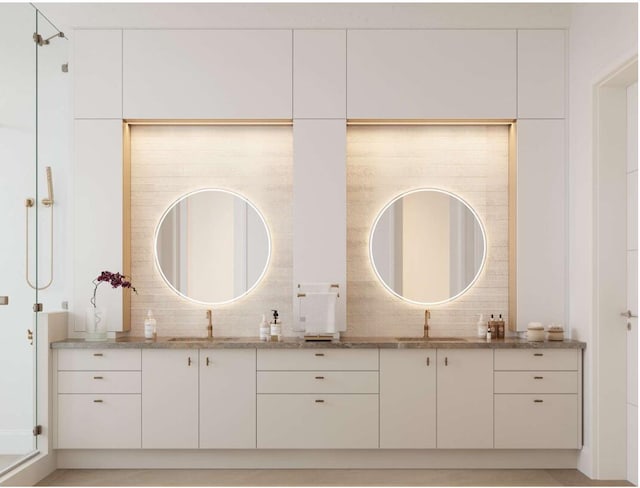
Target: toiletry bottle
[[493, 327], [276, 328], [265, 330], [500, 327], [488, 333], [482, 327], [149, 325]]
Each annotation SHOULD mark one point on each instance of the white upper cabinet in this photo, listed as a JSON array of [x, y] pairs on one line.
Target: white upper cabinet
[[207, 74], [541, 222], [97, 215], [541, 74], [97, 74], [319, 74], [415, 74]]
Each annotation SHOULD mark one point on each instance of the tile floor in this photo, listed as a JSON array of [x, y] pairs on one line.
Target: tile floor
[[322, 477]]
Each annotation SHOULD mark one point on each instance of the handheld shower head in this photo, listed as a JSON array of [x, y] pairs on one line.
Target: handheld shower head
[[48, 201]]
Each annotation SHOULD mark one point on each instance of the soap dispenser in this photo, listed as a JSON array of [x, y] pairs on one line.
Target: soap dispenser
[[276, 328], [265, 331], [482, 327], [149, 325]]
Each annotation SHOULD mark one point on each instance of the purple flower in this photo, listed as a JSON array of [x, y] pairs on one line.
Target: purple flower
[[117, 280]]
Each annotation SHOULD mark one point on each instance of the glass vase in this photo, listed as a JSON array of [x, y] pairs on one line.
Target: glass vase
[[96, 324]]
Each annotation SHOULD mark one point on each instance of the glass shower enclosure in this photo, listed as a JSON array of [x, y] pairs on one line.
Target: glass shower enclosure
[[34, 129]]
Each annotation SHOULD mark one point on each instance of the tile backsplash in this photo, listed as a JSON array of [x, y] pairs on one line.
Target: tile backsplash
[[384, 161]]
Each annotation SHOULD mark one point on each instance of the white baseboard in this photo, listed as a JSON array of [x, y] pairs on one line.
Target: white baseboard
[[32, 471], [318, 459], [16, 441]]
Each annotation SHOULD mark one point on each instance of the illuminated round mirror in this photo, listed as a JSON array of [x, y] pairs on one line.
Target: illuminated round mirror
[[427, 246], [212, 246]]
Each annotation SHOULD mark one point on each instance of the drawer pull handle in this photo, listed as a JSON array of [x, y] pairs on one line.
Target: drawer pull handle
[[319, 401], [208, 362], [319, 377], [538, 401], [98, 354], [98, 377], [319, 354], [428, 361], [538, 377], [538, 354], [97, 401], [189, 361]]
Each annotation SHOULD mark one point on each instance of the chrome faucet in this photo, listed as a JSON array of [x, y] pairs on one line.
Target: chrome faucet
[[210, 326], [427, 316]]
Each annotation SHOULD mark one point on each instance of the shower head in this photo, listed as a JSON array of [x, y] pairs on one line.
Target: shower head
[[48, 201]]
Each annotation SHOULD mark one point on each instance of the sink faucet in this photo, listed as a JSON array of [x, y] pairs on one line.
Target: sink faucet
[[427, 316], [210, 326]]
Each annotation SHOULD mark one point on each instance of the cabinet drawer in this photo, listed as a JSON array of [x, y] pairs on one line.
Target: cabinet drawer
[[536, 359], [317, 359], [99, 359], [99, 382], [536, 421], [317, 382], [317, 421], [535, 382], [99, 421]]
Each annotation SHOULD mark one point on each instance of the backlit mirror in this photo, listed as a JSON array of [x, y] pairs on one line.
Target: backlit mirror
[[212, 246], [427, 246]]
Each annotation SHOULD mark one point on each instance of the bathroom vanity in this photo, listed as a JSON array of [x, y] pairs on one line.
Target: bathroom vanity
[[372, 394]]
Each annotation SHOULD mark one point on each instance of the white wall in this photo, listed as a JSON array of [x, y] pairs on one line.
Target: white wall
[[601, 38]]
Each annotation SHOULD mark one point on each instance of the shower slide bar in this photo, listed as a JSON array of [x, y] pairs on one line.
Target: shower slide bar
[[47, 202]]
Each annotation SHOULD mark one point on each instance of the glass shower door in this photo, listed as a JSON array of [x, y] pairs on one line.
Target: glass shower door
[[18, 173]]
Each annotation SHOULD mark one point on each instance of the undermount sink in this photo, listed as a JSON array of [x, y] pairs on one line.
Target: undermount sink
[[199, 339], [431, 339]]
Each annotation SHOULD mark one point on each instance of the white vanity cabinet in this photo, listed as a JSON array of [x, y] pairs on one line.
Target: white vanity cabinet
[[170, 398], [465, 398], [98, 401], [408, 399], [227, 398], [537, 399], [317, 399]]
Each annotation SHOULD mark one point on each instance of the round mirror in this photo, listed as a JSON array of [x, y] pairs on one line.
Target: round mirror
[[427, 246], [212, 246]]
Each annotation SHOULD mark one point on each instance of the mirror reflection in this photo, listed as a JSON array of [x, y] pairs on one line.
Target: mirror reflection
[[212, 246], [427, 246]]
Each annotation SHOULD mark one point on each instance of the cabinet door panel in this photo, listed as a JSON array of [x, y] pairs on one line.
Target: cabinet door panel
[[319, 74], [207, 74], [98, 421], [228, 399], [541, 222], [408, 399], [431, 74], [318, 421], [536, 421], [170, 399], [541, 74], [465, 399]]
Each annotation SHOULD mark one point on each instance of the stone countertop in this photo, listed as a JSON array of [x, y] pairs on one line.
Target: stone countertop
[[293, 343]]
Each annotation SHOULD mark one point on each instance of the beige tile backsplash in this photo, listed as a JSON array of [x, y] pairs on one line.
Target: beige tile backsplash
[[257, 161], [168, 161], [384, 161]]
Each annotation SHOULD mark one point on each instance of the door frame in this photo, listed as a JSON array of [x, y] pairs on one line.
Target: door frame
[[609, 422]]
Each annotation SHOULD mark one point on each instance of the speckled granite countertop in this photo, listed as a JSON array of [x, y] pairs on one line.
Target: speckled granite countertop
[[292, 343]]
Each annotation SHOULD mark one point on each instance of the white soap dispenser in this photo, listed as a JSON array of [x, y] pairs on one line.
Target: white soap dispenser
[[482, 327], [265, 330], [149, 325]]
